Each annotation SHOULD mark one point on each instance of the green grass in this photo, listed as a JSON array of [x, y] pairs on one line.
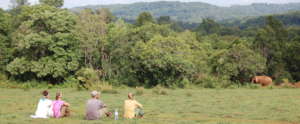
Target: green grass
[[203, 106]]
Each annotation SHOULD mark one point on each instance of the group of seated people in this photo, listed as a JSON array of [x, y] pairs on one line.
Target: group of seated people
[[95, 108]]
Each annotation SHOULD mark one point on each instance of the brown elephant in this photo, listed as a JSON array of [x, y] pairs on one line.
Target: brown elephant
[[262, 80]]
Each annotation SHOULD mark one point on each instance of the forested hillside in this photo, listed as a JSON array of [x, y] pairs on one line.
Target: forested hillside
[[288, 19], [45, 43], [194, 11]]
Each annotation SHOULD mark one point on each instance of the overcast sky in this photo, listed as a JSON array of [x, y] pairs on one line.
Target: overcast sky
[[73, 3]]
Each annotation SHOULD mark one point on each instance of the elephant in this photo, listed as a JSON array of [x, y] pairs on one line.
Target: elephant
[[262, 80]]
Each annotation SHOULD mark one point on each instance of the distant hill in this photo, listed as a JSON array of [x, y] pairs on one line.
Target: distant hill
[[194, 12], [288, 19]]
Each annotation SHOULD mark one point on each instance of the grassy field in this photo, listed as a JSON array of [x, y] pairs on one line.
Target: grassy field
[[203, 106]]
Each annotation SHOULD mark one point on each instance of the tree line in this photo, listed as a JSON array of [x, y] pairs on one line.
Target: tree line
[[47, 43], [194, 12]]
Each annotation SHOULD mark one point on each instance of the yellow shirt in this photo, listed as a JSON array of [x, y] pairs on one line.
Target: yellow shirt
[[129, 108]]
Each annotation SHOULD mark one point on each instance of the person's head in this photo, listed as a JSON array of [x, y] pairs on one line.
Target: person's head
[[95, 94], [130, 96], [45, 93], [58, 95]]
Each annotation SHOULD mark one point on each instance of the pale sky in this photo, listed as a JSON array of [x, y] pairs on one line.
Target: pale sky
[[74, 3]]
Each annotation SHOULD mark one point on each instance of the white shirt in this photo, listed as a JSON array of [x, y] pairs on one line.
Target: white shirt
[[44, 109]]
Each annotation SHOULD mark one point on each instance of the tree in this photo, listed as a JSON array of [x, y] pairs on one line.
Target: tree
[[144, 18], [238, 63], [147, 31], [105, 15], [292, 56], [18, 3], [5, 42], [167, 60], [292, 59], [45, 46], [55, 3], [16, 8], [164, 20], [91, 29], [208, 26], [120, 40], [271, 42]]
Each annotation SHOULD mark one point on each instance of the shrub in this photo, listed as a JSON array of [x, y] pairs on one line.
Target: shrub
[[26, 86], [88, 78], [185, 83], [283, 76], [139, 91], [70, 82], [159, 90], [285, 80]]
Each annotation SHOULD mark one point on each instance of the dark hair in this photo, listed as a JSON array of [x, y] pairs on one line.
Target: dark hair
[[45, 93]]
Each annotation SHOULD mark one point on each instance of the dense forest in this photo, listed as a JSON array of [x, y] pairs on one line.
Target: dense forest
[[288, 19], [47, 43], [194, 12]]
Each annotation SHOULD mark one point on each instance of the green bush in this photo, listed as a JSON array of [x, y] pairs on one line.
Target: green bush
[[284, 77], [185, 83], [88, 78], [71, 82]]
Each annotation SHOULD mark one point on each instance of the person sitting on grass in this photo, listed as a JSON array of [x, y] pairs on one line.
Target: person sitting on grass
[[60, 108], [44, 107], [132, 108], [95, 108]]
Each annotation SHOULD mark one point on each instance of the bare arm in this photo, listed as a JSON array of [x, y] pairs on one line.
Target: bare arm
[[139, 105], [66, 104], [104, 106]]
